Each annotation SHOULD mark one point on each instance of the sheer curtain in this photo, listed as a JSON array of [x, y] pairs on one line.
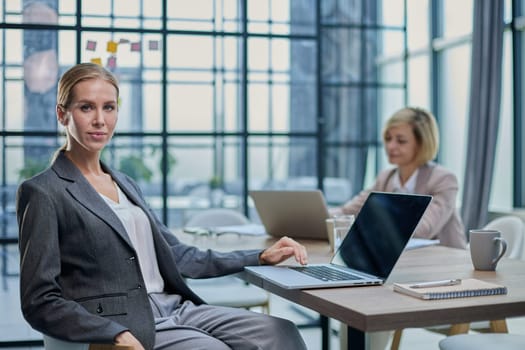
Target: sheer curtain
[[485, 95]]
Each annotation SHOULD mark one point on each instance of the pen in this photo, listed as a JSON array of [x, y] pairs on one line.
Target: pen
[[436, 283]]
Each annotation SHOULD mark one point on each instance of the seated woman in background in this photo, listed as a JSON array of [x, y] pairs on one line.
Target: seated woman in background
[[411, 140]]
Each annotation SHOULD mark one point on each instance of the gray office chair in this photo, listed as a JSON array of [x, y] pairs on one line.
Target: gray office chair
[[227, 290], [483, 342]]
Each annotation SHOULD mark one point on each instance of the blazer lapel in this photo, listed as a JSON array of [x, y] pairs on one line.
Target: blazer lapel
[[387, 184], [133, 195], [422, 177], [82, 191]]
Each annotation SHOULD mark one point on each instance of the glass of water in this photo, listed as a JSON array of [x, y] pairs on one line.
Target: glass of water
[[342, 224]]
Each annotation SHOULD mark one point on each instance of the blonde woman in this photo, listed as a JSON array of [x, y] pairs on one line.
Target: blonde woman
[[97, 266], [411, 141]]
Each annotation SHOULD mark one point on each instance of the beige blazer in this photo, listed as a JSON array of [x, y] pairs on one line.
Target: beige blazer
[[441, 219]]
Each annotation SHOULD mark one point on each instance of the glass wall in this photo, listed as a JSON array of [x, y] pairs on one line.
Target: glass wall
[[238, 95], [217, 97], [439, 60]]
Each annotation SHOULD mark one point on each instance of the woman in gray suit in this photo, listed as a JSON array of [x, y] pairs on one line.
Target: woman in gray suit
[[98, 266], [411, 140]]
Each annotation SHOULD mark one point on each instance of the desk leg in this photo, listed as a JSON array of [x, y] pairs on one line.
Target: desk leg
[[356, 339], [325, 332]]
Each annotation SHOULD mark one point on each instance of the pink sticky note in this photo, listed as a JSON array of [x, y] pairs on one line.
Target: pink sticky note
[[135, 46], [112, 62], [91, 45]]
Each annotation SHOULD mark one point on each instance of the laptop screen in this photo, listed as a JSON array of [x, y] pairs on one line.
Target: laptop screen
[[380, 232]]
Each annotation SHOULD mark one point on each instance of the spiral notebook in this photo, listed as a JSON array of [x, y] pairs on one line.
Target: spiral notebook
[[470, 287]]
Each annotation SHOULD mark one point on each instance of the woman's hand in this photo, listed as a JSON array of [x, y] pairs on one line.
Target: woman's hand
[[282, 250], [126, 338]]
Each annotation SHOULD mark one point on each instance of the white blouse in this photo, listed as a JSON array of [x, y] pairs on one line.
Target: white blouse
[[138, 229], [408, 187]]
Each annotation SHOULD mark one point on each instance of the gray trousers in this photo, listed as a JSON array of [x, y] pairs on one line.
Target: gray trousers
[[188, 326]]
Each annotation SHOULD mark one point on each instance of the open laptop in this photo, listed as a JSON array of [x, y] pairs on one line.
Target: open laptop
[[367, 254], [297, 214]]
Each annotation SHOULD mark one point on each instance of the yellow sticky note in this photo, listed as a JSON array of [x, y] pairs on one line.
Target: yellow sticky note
[[96, 61], [112, 47]]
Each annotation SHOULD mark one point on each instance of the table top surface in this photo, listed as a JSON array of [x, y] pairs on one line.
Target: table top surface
[[375, 308]]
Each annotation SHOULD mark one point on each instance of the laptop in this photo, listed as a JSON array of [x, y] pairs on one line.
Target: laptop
[[367, 254], [296, 214]]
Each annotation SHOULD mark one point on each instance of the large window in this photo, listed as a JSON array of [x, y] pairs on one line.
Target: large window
[[439, 60], [217, 97]]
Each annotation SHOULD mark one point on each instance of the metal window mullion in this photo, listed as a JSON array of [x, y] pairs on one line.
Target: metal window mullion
[[517, 82]]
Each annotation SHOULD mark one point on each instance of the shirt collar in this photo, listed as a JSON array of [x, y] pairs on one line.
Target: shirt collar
[[410, 184]]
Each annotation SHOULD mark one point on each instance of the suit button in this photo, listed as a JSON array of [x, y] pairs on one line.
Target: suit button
[[131, 259], [99, 309], [139, 286]]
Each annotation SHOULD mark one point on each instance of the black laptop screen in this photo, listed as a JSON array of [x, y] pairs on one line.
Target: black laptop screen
[[380, 232]]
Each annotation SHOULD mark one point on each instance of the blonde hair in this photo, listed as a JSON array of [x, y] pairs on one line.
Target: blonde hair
[[76, 74], [424, 127]]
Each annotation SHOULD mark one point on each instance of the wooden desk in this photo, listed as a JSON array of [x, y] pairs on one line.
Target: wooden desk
[[378, 308]]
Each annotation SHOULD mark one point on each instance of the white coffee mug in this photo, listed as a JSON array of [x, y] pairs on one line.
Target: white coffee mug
[[486, 248]]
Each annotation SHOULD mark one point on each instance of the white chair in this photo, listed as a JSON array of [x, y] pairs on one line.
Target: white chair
[[228, 290], [483, 342], [512, 229], [51, 343], [217, 217]]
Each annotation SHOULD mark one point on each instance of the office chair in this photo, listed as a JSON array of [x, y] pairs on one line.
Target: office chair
[[51, 343], [483, 342], [217, 217], [512, 229], [227, 290]]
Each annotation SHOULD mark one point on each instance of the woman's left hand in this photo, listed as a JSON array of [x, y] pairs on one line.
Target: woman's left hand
[[282, 250]]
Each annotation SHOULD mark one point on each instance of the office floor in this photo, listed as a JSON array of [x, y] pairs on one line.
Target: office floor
[[12, 326]]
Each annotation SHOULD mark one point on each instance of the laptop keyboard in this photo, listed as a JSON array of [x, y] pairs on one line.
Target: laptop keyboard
[[325, 273]]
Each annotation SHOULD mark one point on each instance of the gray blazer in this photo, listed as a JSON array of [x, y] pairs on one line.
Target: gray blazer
[[441, 219], [79, 275]]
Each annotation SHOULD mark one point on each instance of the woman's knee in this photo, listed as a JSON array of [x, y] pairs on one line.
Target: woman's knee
[[286, 333]]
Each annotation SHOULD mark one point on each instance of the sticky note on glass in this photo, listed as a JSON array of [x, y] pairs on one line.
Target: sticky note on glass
[[96, 61], [112, 47], [112, 62], [135, 46], [153, 45], [91, 45]]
